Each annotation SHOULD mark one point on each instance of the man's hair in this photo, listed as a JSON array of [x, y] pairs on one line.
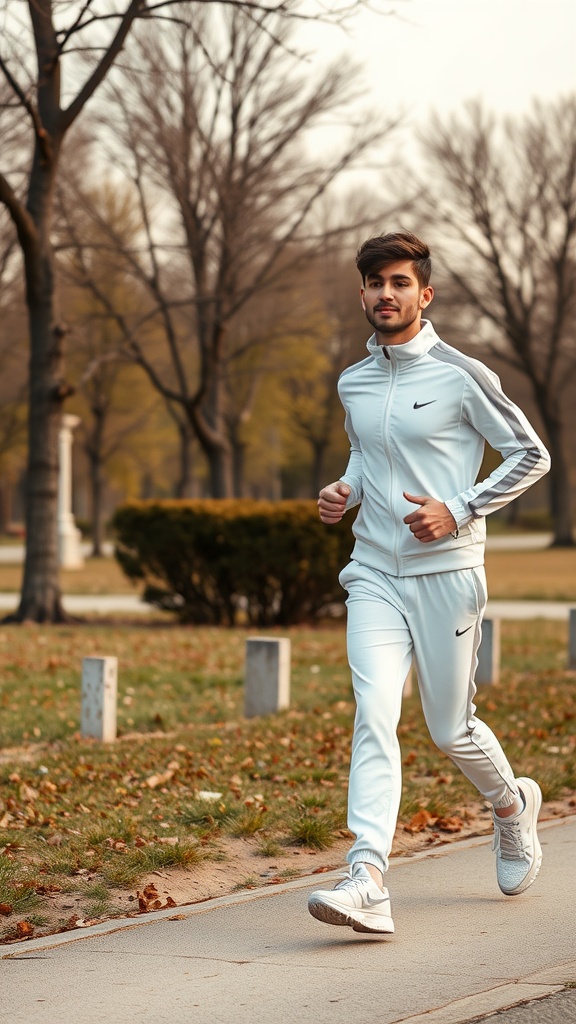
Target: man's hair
[[376, 252]]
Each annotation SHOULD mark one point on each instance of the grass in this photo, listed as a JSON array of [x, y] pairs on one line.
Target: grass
[[85, 818], [98, 576], [548, 574], [545, 575]]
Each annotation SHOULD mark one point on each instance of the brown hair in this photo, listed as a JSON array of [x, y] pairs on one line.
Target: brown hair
[[376, 252]]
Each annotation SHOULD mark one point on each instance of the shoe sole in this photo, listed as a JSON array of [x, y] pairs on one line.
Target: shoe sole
[[353, 919], [534, 788]]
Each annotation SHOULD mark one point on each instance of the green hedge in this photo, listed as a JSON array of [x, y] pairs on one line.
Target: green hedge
[[234, 561]]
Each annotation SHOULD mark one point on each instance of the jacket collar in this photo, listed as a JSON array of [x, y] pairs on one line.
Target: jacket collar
[[410, 350]]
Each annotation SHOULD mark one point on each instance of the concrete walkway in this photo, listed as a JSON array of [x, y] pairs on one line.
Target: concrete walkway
[[12, 554], [461, 951], [129, 604]]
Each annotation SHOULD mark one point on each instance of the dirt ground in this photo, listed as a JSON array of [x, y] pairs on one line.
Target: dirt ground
[[240, 866]]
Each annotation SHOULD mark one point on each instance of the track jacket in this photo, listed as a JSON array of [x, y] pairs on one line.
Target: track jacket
[[417, 416]]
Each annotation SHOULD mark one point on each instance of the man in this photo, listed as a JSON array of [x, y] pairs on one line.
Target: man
[[418, 413]]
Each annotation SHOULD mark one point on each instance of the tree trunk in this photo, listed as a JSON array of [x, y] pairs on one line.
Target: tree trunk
[[41, 595], [185, 483], [221, 471], [5, 506], [209, 427], [318, 454], [238, 467], [97, 495], [559, 482]]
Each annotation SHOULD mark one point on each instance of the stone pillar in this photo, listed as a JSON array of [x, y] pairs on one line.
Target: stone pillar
[[488, 670], [69, 537], [99, 689], [267, 679]]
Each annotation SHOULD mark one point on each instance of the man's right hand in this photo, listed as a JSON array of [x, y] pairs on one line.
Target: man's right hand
[[332, 502]]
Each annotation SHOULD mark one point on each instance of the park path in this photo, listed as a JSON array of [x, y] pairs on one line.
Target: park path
[[461, 950]]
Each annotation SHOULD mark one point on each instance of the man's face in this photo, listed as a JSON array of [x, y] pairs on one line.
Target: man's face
[[393, 302]]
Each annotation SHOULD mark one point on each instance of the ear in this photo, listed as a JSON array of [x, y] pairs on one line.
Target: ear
[[426, 296], [362, 293]]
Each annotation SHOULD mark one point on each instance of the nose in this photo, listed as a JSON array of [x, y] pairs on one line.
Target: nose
[[385, 293]]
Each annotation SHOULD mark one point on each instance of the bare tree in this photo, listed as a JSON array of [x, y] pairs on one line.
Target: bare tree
[[214, 127], [506, 202], [40, 41], [337, 334], [13, 375]]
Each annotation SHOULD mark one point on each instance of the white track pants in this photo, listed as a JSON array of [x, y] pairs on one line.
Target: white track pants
[[435, 619]]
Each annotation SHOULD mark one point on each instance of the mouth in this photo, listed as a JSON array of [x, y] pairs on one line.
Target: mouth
[[385, 309]]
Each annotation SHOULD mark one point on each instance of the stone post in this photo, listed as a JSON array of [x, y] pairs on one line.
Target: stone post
[[488, 670], [99, 689], [69, 537], [267, 679]]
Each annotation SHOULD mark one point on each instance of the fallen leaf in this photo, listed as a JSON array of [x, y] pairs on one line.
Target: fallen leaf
[[420, 821], [27, 793], [450, 824], [6, 909], [159, 780], [24, 929]]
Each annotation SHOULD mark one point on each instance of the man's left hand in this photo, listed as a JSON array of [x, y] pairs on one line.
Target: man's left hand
[[431, 521]]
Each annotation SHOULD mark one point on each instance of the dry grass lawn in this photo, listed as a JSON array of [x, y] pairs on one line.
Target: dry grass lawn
[[548, 575]]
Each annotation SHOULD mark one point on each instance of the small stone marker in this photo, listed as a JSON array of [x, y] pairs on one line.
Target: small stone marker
[[572, 639], [267, 678], [99, 687], [488, 670]]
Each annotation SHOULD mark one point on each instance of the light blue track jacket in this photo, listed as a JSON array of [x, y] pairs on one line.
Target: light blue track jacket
[[417, 416]]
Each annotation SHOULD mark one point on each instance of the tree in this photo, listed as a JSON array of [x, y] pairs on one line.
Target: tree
[[13, 375], [41, 40], [214, 138], [336, 338], [506, 202]]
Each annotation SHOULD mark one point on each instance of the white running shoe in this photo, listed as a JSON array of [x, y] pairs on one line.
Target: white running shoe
[[518, 852], [356, 901]]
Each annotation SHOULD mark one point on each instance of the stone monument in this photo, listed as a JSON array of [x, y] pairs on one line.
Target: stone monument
[[69, 536]]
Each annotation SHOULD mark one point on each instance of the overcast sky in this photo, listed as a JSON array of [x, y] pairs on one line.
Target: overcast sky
[[437, 53]]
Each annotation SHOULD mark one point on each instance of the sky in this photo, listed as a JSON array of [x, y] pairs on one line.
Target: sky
[[435, 54]]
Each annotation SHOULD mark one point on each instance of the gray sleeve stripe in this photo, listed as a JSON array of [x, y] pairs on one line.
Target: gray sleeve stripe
[[446, 354], [532, 456], [519, 472]]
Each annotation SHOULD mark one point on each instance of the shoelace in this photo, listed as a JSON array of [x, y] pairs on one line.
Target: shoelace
[[512, 845], [351, 880]]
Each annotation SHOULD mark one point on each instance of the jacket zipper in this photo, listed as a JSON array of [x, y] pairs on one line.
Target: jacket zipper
[[387, 451]]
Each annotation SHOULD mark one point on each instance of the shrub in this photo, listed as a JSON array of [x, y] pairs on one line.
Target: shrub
[[234, 561]]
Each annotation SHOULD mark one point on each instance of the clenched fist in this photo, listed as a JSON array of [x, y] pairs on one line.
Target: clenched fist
[[332, 502]]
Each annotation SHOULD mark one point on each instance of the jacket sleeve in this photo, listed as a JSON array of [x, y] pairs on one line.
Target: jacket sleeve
[[353, 474], [525, 459]]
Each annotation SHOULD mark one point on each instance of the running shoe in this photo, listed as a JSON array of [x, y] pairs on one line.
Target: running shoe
[[518, 852], [356, 901]]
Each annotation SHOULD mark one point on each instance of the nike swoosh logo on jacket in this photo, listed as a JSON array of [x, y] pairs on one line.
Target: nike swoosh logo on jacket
[[435, 450]]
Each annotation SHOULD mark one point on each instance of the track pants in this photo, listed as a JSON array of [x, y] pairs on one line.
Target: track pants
[[435, 619]]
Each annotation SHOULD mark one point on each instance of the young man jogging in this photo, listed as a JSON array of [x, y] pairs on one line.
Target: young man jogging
[[418, 413]]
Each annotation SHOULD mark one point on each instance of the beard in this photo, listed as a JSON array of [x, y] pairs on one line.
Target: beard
[[408, 317]]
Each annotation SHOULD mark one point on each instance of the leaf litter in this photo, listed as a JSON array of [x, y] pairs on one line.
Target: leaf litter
[[211, 803]]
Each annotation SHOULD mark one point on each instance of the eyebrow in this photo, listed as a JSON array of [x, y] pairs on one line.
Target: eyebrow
[[395, 277]]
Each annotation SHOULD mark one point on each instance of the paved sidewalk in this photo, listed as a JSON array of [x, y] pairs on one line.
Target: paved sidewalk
[[128, 604], [461, 951]]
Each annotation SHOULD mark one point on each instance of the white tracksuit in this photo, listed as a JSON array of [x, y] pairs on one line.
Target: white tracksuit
[[417, 416]]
